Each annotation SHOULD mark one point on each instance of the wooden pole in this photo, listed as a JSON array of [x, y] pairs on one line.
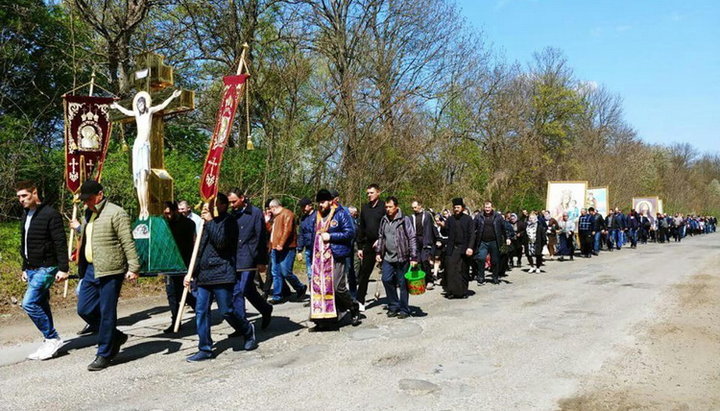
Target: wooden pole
[[76, 199], [191, 268]]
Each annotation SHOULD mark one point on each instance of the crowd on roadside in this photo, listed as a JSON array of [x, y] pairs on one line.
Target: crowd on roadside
[[248, 253]]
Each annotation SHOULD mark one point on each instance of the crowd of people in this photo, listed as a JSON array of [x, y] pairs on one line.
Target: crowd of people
[[245, 252]]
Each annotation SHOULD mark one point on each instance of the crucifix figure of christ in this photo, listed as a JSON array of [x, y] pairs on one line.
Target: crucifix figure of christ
[[143, 112], [153, 80]]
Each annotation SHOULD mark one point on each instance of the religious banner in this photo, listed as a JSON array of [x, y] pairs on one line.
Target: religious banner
[[231, 96], [565, 197], [597, 197], [87, 134], [647, 206]]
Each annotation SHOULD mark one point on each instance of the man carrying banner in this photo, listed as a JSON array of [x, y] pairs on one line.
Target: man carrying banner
[[215, 278]]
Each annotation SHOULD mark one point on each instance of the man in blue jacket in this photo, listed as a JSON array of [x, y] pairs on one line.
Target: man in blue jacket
[[249, 221], [216, 277]]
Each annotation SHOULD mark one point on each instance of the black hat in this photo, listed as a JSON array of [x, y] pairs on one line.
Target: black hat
[[458, 202], [323, 195], [304, 201], [88, 188], [334, 193]]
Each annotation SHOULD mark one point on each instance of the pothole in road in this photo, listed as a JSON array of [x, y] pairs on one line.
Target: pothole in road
[[418, 387], [392, 360]]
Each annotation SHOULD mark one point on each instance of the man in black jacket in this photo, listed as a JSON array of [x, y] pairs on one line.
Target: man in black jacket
[[183, 232], [215, 278], [43, 247], [491, 234], [461, 239], [425, 238], [370, 215]]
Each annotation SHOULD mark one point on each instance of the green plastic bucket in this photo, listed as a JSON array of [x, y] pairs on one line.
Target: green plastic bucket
[[415, 278]]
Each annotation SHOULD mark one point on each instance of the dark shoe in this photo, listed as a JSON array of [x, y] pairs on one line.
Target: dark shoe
[[120, 339], [495, 281], [572, 258], [300, 295], [273, 301], [171, 329], [355, 314], [250, 341], [561, 259], [199, 356], [99, 364], [266, 318], [392, 313], [480, 282], [87, 330], [403, 315]]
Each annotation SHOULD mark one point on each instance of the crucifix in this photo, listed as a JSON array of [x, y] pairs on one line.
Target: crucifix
[[153, 80]]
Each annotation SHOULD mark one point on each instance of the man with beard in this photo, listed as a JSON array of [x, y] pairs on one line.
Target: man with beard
[[332, 242], [491, 234], [460, 243]]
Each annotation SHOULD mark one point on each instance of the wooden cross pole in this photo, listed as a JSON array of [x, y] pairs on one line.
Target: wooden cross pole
[[157, 79]]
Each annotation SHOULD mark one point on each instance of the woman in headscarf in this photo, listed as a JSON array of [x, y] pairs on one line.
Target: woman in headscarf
[[536, 238], [566, 237]]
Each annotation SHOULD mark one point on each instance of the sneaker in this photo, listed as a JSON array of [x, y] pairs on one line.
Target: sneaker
[[49, 348], [199, 356], [361, 307], [429, 286], [35, 355], [250, 341], [403, 315]]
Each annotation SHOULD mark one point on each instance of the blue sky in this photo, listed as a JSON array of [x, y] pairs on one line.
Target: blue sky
[[662, 57]]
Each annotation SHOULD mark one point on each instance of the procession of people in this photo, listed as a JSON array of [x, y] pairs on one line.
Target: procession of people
[[248, 253]]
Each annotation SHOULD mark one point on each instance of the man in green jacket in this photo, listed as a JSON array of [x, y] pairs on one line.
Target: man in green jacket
[[107, 255]]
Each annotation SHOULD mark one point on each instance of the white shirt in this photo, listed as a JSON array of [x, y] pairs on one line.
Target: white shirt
[[30, 214], [197, 220]]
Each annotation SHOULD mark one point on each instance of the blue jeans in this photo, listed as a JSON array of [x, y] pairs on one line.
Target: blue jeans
[[633, 234], [393, 276], [222, 293], [621, 239], [282, 266], [97, 305], [485, 248], [36, 302], [245, 288], [615, 236], [596, 241], [308, 263]]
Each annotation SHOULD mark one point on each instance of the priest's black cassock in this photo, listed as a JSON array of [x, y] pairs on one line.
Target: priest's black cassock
[[461, 236]]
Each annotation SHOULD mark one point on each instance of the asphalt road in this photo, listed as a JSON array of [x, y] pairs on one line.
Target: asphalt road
[[524, 344]]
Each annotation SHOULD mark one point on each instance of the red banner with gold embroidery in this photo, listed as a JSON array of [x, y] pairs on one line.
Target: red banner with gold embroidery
[[232, 95], [87, 134]]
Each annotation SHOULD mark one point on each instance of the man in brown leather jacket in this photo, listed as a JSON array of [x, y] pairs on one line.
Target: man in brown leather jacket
[[283, 242]]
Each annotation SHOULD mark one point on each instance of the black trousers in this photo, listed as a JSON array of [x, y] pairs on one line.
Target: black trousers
[[367, 264], [586, 242], [174, 289]]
